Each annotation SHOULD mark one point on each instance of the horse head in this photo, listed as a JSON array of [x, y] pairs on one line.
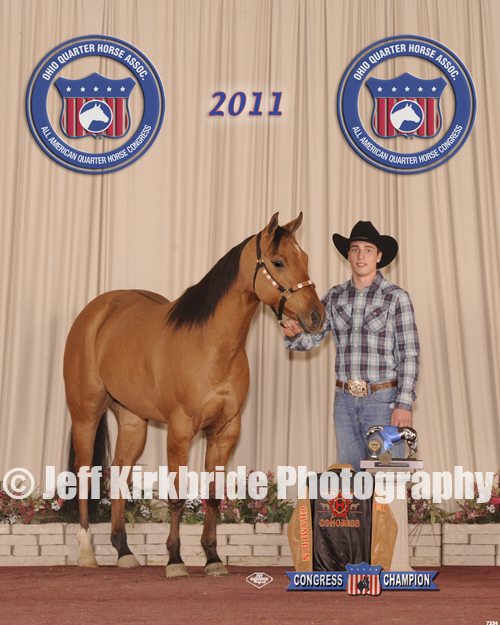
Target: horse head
[[98, 114], [404, 114], [281, 279]]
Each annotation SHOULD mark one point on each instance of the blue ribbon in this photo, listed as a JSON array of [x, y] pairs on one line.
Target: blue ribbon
[[390, 436]]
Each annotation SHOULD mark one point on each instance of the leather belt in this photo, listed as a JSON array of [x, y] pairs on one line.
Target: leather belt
[[359, 388]]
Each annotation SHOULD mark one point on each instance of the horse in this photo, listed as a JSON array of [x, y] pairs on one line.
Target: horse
[[406, 433], [182, 363], [92, 114], [404, 114], [364, 584]]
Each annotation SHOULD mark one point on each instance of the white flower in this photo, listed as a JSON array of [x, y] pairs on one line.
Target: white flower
[[491, 509], [13, 519], [106, 502], [145, 512], [55, 506]]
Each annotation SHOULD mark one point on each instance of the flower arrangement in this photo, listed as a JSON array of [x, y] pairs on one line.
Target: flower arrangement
[[35, 509], [470, 511], [473, 512]]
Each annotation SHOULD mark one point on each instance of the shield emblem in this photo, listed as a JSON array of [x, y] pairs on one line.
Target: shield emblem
[[406, 106], [363, 579], [95, 106]]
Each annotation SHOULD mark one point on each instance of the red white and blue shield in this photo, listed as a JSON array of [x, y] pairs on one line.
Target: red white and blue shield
[[95, 106], [363, 579], [407, 106]]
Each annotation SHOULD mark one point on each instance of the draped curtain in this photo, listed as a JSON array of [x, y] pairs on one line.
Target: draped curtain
[[209, 182]]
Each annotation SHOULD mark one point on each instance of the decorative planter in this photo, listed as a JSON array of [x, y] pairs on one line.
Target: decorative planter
[[471, 545], [55, 544], [424, 542]]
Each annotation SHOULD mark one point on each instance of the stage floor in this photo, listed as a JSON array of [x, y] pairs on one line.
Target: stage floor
[[109, 596]]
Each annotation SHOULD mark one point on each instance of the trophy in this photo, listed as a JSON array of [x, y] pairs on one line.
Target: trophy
[[390, 434]]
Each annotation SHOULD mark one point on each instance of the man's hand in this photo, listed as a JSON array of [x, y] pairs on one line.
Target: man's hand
[[401, 418], [291, 328]]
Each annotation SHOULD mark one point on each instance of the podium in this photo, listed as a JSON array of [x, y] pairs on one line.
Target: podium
[[399, 507]]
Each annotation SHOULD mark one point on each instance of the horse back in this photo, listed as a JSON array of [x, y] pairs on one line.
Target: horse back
[[155, 297]]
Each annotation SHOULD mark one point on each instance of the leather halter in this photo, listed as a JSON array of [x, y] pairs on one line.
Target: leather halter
[[286, 294]]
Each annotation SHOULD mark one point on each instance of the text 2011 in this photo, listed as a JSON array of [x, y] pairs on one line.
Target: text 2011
[[238, 102]]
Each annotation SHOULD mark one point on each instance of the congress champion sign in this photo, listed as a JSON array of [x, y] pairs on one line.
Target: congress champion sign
[[406, 107], [94, 107]]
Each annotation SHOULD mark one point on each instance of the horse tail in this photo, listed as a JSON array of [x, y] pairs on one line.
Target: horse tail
[[101, 458]]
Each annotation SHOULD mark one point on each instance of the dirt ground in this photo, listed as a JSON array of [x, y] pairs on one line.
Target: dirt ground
[[109, 596]]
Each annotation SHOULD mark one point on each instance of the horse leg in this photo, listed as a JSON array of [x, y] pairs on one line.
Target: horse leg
[[220, 443], [132, 432], [85, 424], [177, 455]]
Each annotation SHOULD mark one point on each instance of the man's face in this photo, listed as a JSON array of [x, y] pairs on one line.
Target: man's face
[[363, 257]]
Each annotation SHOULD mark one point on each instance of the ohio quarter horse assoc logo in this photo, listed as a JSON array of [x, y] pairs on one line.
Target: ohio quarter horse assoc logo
[[405, 106], [95, 106]]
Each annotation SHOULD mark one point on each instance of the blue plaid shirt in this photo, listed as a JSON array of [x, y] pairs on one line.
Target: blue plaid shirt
[[375, 335]]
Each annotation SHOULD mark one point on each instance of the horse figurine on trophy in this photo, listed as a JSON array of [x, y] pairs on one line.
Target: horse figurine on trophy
[[392, 434]]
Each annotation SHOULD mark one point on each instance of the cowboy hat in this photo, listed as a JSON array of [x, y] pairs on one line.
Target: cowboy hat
[[366, 231]]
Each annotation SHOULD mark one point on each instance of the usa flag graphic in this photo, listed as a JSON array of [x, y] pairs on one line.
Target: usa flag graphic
[[95, 106], [363, 579], [406, 105]]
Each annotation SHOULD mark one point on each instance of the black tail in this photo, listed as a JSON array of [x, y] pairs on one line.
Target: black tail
[[101, 458]]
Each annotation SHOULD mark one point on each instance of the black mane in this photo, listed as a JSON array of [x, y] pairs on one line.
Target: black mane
[[198, 303]]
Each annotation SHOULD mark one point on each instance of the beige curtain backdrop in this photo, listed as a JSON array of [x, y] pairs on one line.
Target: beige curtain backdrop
[[209, 182]]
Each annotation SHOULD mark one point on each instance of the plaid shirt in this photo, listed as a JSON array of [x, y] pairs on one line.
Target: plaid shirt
[[375, 335]]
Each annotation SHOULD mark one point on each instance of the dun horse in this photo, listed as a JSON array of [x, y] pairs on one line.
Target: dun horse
[[182, 363]]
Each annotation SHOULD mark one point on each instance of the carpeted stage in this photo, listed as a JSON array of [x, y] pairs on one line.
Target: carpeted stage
[[109, 596]]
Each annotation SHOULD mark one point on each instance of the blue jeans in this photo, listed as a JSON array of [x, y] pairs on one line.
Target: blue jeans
[[354, 415]]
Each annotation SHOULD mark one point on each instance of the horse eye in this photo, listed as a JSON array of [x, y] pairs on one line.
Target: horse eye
[[278, 263]]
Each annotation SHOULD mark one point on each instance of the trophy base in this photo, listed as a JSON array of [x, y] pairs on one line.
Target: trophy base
[[411, 464]]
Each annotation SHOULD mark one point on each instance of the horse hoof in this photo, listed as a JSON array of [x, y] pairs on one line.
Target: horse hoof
[[216, 569], [177, 570], [128, 561], [87, 560]]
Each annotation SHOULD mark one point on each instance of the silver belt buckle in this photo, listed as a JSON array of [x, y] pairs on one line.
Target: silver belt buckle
[[357, 388]]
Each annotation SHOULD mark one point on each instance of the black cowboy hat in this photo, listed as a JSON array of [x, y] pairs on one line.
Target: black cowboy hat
[[366, 231]]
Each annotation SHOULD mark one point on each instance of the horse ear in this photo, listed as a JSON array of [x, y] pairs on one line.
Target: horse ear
[[294, 225], [273, 224]]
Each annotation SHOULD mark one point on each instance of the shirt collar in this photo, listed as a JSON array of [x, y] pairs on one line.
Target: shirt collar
[[374, 286]]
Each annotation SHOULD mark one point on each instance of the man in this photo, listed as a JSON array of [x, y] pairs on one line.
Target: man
[[374, 329]]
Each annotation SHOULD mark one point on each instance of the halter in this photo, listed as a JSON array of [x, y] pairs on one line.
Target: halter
[[286, 294]]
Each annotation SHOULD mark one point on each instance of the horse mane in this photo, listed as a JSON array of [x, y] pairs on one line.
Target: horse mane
[[198, 303]]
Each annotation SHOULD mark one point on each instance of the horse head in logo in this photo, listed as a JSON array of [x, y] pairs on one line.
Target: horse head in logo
[[405, 114], [364, 584], [94, 114]]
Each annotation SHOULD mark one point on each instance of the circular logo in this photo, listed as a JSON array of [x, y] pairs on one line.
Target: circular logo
[[94, 106], [406, 122], [340, 506]]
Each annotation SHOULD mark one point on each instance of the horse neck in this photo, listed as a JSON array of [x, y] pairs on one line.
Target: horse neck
[[231, 321]]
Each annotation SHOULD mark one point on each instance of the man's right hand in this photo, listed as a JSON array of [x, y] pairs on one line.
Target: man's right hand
[[291, 328]]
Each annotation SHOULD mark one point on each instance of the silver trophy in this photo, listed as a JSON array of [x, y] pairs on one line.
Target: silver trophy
[[391, 434]]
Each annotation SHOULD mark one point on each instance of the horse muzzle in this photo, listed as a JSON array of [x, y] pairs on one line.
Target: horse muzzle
[[314, 322]]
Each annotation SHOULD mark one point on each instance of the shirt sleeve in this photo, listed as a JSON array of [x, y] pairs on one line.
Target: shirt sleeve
[[408, 352], [304, 342]]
